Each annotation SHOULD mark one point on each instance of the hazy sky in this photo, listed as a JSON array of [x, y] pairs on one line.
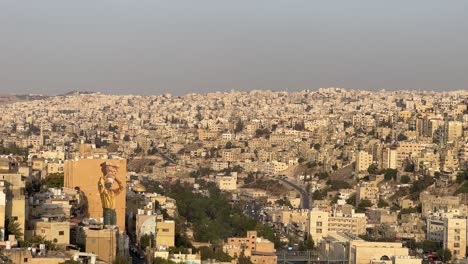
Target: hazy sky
[[151, 46]]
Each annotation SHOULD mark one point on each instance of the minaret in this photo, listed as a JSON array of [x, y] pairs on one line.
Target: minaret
[[42, 135]]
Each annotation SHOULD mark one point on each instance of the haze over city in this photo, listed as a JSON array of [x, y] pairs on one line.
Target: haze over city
[[241, 132], [153, 47]]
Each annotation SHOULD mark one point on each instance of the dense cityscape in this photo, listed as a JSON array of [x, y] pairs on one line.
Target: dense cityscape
[[252, 177]]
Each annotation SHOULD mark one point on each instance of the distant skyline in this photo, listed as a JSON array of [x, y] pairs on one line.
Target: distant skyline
[[153, 47]]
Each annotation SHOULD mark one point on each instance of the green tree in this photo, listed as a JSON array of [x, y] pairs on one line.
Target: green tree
[[13, 149], [319, 194], [37, 240], [390, 174], [239, 126], [159, 260], [382, 203], [351, 200], [214, 253], [249, 179], [463, 188], [13, 228], [363, 204], [462, 176], [316, 146], [212, 216], [373, 169], [121, 260], [444, 254], [323, 175], [419, 186], [299, 126], [382, 233], [260, 132], [229, 145], [429, 246], [54, 180], [405, 179], [338, 185], [71, 262], [284, 202], [409, 166], [307, 244], [402, 137], [242, 259], [147, 241]]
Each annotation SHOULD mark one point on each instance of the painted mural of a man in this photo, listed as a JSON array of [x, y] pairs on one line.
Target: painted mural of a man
[[108, 192]]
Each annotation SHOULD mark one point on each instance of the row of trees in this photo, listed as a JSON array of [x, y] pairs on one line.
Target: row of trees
[[212, 217]]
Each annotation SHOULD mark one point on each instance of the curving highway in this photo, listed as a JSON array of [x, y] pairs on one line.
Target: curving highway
[[305, 202]]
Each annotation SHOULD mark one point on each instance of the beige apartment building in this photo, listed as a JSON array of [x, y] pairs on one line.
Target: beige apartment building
[[450, 230], [230, 155], [55, 167], [259, 250], [227, 183], [15, 202], [408, 150], [102, 242], [275, 167], [165, 233], [323, 223], [352, 249], [454, 130], [207, 134], [389, 159], [434, 203], [367, 191], [52, 230], [363, 161], [363, 252]]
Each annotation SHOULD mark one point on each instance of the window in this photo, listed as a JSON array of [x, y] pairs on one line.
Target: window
[[25, 260], [456, 245], [61, 233], [319, 231], [319, 223], [15, 218], [165, 229]]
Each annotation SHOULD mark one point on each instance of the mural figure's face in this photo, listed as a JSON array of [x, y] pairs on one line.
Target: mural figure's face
[[108, 185], [111, 171]]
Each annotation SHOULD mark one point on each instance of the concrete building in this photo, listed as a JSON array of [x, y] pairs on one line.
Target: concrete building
[[389, 159], [323, 223], [435, 204], [363, 252], [342, 247], [368, 191], [165, 233], [15, 200], [450, 230], [454, 131], [275, 167], [102, 242], [86, 173], [363, 161], [259, 250], [227, 183], [53, 230]]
